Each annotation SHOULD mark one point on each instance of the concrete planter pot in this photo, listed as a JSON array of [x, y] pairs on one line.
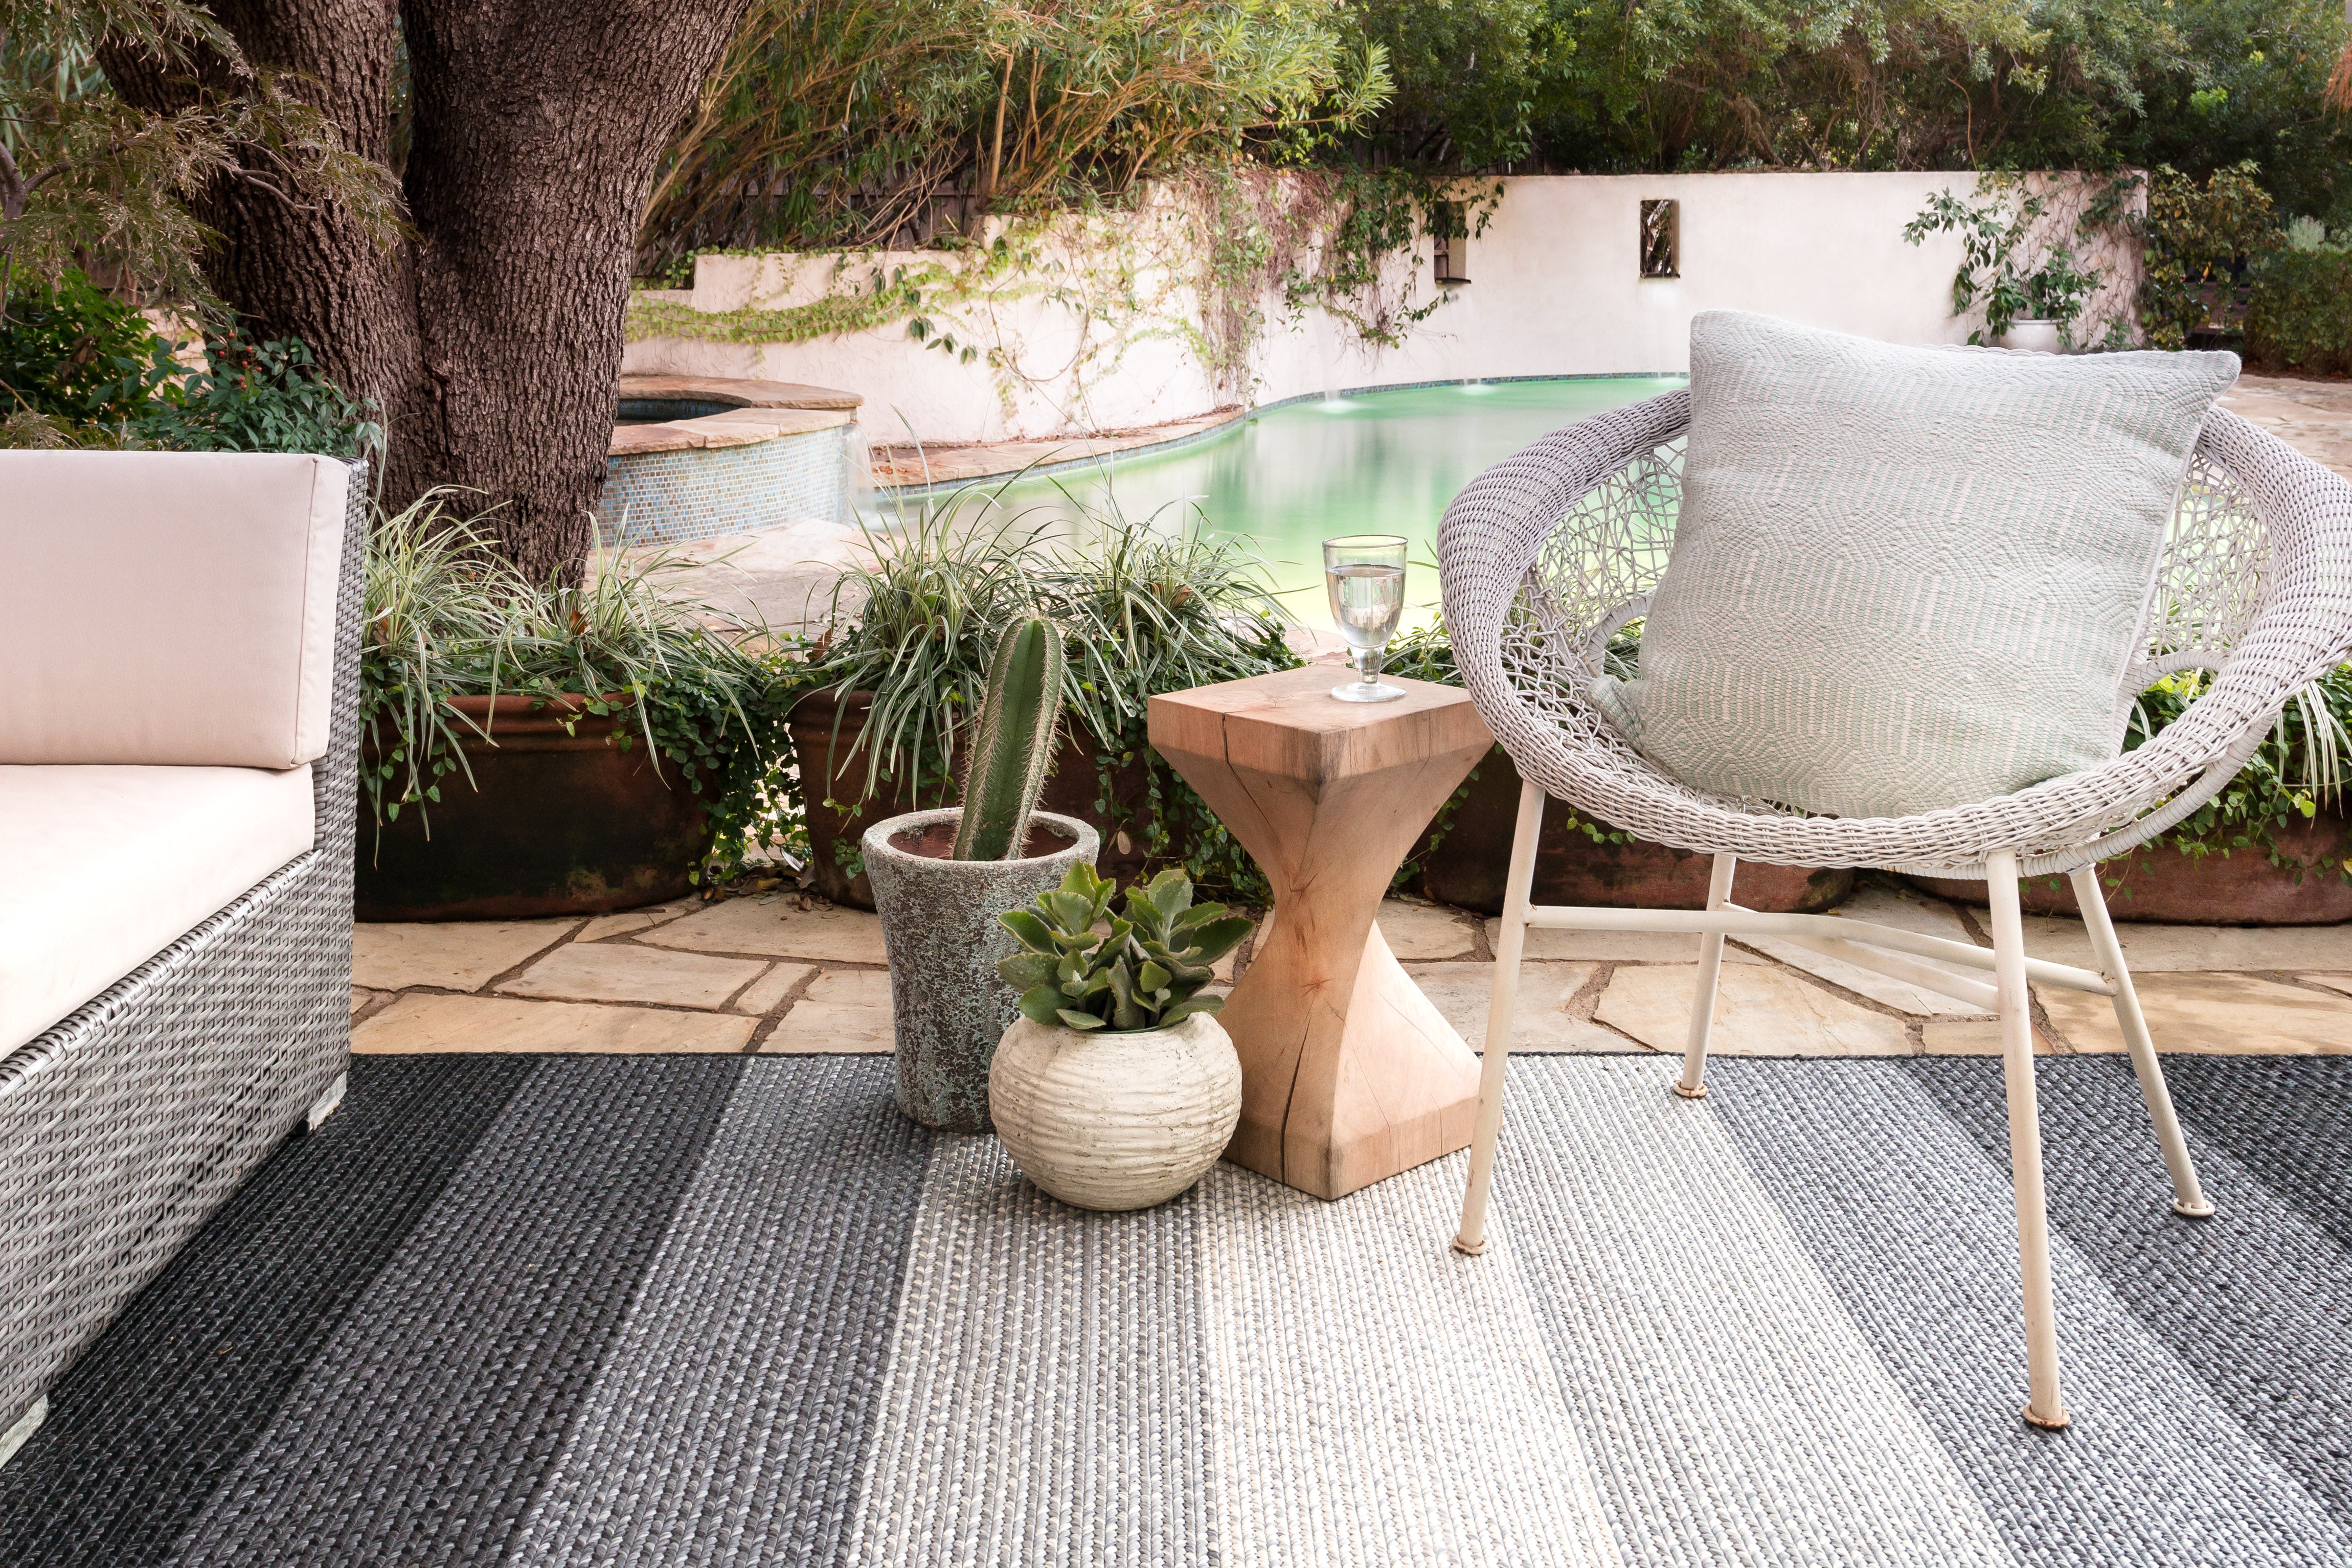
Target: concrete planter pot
[[938, 926], [1116, 1121]]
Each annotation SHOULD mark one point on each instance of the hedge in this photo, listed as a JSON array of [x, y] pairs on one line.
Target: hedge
[[2301, 313]]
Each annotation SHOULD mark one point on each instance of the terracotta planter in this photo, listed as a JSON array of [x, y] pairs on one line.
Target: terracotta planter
[[558, 824], [1116, 1121], [1071, 791], [1469, 866], [2158, 885], [948, 1004]]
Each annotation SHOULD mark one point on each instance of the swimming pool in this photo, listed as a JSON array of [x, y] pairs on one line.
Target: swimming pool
[[1383, 462]]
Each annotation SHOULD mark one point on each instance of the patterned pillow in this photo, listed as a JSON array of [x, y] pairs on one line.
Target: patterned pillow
[[1906, 578]]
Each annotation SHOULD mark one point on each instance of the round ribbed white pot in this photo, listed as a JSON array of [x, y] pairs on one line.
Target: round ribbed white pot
[[2037, 337], [1115, 1121]]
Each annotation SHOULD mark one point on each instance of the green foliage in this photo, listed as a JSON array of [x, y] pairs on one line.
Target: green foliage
[[258, 397], [80, 357], [447, 616], [1993, 224], [1469, 77], [1013, 737], [2300, 315], [838, 126], [1142, 970], [2196, 239], [81, 368], [89, 182], [2295, 774]]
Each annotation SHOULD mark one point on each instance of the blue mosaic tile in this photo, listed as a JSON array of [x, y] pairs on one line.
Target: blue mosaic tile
[[669, 497]]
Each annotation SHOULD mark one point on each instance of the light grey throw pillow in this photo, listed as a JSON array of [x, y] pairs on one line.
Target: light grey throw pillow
[[1906, 578]]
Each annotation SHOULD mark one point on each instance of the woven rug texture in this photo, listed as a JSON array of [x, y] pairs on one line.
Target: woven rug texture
[[689, 1311]]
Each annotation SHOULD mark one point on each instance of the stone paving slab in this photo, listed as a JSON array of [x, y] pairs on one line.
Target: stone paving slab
[[428, 1022], [455, 956], [2155, 949], [2211, 1013], [1904, 912], [770, 991], [1759, 1011], [618, 972], [1617, 947], [779, 925], [1541, 1015], [843, 1010]]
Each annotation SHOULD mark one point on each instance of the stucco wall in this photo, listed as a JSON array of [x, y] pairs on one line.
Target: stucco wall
[[1556, 290]]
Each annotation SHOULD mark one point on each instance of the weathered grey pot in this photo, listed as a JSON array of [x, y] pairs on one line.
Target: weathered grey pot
[[1116, 1121], [938, 925]]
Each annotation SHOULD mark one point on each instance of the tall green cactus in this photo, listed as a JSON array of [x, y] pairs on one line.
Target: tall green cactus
[[1012, 747]]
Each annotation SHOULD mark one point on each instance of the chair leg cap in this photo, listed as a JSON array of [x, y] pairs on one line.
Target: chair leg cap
[[1697, 1094], [1470, 1248], [2057, 1423], [2198, 1210]]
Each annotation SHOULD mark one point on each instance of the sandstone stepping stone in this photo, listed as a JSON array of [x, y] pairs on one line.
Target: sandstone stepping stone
[[772, 988], [1539, 1020], [2218, 1014], [455, 954], [1759, 1011], [843, 1010], [1614, 946], [1904, 912], [428, 1023], [777, 927], [1974, 1037], [622, 972], [634, 920], [2150, 949]]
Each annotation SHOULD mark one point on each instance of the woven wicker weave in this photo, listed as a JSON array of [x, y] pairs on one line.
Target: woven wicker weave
[[127, 1123], [1549, 553]]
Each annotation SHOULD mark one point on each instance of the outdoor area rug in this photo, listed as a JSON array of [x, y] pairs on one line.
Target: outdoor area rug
[[695, 1311]]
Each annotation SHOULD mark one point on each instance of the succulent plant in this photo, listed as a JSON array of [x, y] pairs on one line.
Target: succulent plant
[[1142, 970], [1012, 744]]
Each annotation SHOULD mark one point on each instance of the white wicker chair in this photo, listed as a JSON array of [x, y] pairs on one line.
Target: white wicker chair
[[1545, 556]]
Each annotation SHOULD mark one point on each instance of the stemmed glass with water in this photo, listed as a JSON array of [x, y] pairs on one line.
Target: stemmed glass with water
[[1365, 574]]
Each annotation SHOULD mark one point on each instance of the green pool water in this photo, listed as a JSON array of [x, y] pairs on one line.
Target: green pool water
[[1387, 461]]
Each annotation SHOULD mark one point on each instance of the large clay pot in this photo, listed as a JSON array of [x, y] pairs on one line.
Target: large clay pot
[[1116, 1121], [558, 823], [949, 1006], [1471, 862], [1072, 790], [2159, 883]]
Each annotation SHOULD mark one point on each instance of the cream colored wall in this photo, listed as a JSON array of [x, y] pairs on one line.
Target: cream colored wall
[[1556, 290]]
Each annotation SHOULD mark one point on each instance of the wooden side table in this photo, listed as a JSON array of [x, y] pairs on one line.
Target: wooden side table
[[1349, 1074]]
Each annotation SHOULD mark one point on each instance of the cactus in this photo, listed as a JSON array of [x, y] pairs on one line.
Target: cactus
[[1012, 744]]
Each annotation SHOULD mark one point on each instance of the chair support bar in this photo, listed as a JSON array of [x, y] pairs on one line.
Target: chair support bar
[[1732, 921], [1943, 982]]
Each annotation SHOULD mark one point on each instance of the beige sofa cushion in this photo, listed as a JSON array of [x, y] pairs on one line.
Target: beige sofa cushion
[[168, 607], [105, 867]]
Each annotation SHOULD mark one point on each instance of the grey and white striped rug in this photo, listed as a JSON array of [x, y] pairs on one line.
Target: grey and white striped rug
[[687, 1310]]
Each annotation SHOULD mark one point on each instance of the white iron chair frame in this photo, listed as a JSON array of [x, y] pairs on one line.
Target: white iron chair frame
[[1549, 554]]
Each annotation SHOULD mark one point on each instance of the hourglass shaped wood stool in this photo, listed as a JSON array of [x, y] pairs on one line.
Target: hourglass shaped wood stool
[[1349, 1074]]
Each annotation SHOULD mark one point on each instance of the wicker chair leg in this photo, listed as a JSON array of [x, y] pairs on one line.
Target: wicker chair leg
[[2187, 1197], [1692, 1085], [2045, 1407], [1510, 944], [22, 1427]]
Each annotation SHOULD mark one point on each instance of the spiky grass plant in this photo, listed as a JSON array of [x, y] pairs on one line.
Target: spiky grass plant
[[450, 617], [1014, 740]]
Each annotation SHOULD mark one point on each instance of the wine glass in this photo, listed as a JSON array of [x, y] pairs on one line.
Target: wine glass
[[1365, 573]]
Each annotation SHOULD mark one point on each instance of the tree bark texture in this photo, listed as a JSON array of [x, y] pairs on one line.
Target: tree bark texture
[[489, 336]]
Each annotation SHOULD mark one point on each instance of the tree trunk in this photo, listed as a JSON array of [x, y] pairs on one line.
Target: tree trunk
[[490, 335]]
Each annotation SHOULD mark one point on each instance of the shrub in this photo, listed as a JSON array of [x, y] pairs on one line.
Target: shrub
[[258, 397], [2197, 239], [2301, 313], [79, 357]]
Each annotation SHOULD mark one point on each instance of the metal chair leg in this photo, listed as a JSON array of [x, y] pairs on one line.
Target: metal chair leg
[[2187, 1197], [1692, 1085], [2045, 1406], [1516, 887]]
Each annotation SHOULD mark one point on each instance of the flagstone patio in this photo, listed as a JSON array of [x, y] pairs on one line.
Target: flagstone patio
[[787, 973]]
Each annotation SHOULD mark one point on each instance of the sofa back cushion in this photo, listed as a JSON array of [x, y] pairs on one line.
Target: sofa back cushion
[[168, 607], [1906, 578]]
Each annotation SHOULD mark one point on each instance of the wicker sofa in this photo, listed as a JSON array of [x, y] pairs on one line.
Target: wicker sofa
[[178, 741]]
